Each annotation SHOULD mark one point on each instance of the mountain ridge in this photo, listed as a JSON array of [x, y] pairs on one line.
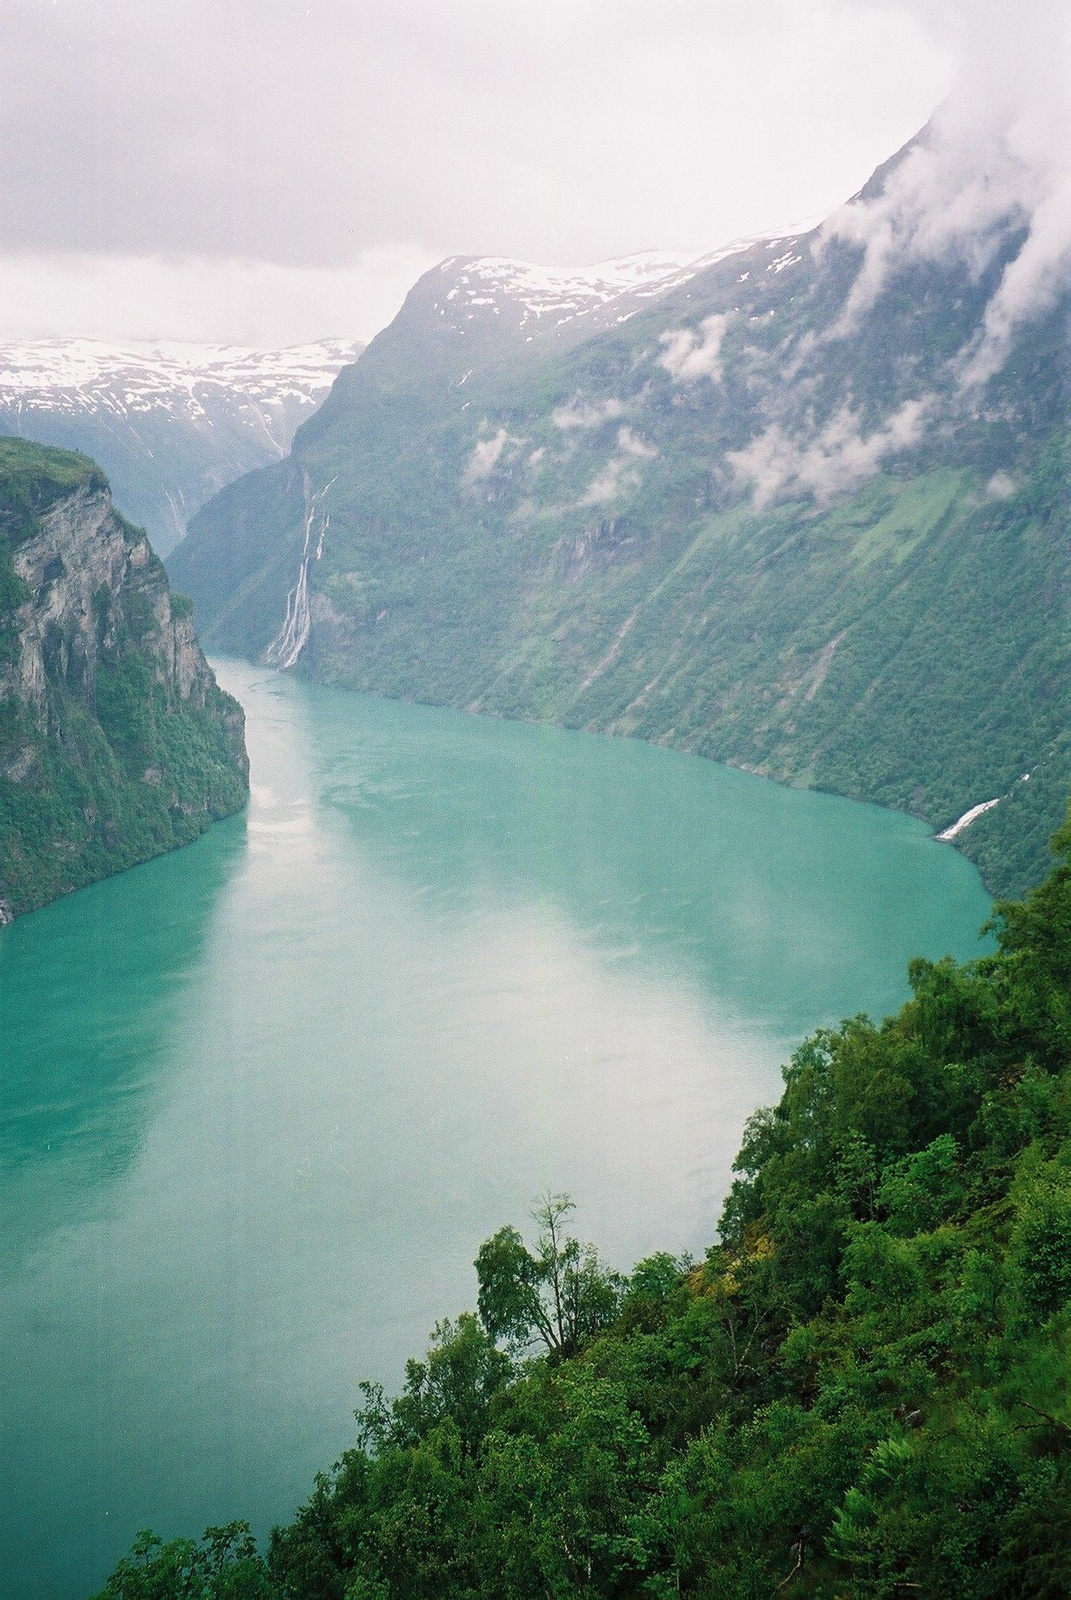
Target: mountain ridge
[[756, 515], [171, 422]]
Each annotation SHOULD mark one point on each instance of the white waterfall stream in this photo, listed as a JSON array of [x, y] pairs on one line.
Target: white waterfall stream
[[293, 636]]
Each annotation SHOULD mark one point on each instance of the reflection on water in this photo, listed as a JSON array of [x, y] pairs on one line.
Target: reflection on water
[[87, 1010], [263, 1098]]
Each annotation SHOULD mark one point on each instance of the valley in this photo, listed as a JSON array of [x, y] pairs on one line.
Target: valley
[[600, 912], [442, 963], [734, 509], [170, 424]]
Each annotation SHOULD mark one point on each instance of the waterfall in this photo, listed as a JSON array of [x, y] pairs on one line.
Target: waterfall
[[292, 637]]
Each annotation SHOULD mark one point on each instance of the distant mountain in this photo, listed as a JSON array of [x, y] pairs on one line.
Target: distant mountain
[[116, 743], [800, 506], [169, 423], [495, 301]]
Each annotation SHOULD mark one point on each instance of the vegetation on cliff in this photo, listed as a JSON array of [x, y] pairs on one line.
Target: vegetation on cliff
[[728, 523], [862, 1390], [115, 741]]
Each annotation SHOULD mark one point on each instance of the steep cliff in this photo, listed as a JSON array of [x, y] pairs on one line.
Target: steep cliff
[[776, 508], [116, 743]]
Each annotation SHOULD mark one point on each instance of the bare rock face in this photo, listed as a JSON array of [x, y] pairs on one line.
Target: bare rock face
[[82, 569], [116, 743]]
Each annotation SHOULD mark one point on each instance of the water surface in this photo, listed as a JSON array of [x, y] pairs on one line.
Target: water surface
[[263, 1098]]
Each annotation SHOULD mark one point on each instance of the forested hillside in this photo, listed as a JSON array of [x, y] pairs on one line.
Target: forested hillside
[[778, 508], [116, 742], [861, 1392]]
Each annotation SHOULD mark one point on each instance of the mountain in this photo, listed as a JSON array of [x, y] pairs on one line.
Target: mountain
[[169, 423], [116, 743], [800, 506]]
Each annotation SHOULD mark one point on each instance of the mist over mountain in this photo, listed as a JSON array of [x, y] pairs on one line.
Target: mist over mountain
[[797, 505], [170, 424]]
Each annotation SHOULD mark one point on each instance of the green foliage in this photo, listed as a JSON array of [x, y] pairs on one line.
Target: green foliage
[[117, 764], [864, 1390], [224, 1565], [561, 1295], [33, 477]]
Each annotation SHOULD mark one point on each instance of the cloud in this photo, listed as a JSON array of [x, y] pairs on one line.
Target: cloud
[[837, 460], [996, 157], [1032, 284], [118, 297], [617, 477], [486, 454], [630, 444], [305, 133], [581, 413], [1001, 486], [693, 353], [621, 473]]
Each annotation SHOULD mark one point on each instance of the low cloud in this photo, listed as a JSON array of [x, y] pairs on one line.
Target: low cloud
[[837, 460], [1001, 486], [995, 158], [621, 473], [617, 477], [486, 454], [581, 413], [690, 354], [630, 444]]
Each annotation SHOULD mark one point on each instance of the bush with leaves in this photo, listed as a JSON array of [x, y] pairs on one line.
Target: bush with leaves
[[863, 1391]]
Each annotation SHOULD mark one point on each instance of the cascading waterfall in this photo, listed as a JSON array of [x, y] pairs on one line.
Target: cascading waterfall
[[292, 637]]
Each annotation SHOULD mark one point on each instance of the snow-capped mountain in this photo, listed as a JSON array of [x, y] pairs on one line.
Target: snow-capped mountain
[[493, 297], [799, 505], [170, 423], [532, 298]]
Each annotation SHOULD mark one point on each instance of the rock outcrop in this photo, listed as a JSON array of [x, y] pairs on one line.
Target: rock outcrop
[[116, 743]]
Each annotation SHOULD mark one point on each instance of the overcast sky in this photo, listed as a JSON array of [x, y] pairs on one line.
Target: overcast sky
[[269, 171]]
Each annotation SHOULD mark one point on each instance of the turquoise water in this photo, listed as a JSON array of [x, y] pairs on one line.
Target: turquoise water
[[263, 1098]]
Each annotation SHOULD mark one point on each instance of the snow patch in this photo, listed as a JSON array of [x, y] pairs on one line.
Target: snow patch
[[75, 376]]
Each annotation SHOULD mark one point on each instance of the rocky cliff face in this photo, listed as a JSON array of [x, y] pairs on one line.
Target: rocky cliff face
[[115, 741]]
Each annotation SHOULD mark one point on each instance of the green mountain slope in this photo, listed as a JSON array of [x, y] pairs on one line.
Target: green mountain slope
[[115, 741], [722, 511], [863, 1391]]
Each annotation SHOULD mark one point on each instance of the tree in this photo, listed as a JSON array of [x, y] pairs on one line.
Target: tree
[[561, 1294], [223, 1566]]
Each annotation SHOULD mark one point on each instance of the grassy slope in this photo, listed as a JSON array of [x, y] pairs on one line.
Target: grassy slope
[[906, 647]]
